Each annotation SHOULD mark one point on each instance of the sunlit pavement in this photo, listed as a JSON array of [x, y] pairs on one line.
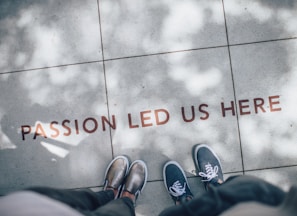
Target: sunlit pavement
[[84, 81]]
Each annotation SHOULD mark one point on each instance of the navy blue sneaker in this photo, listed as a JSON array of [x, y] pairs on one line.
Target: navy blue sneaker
[[176, 182], [208, 165]]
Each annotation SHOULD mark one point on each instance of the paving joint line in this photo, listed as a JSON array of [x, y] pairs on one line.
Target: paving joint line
[[105, 79], [234, 89], [147, 55]]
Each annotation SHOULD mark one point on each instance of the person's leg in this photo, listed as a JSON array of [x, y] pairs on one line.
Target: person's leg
[[132, 187], [81, 200], [120, 207], [247, 188], [86, 200], [220, 198], [235, 189]]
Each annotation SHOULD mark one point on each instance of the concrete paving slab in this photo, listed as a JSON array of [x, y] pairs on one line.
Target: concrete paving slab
[[283, 177], [157, 105], [36, 34], [265, 75], [146, 27], [46, 138], [250, 21], [147, 94]]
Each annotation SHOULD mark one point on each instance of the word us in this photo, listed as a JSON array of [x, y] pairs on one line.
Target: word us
[[149, 118]]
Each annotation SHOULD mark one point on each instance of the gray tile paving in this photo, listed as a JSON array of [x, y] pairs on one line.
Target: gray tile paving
[[92, 106], [36, 34], [160, 26], [266, 73], [46, 138], [283, 177], [169, 82], [250, 21]]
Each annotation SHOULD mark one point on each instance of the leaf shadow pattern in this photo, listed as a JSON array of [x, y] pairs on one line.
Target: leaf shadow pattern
[[193, 68]]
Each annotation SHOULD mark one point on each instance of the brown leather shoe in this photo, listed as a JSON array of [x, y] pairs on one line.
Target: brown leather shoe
[[136, 178], [115, 173]]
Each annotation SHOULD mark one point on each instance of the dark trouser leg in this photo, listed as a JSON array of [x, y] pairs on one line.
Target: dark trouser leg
[[120, 207], [83, 200], [233, 191]]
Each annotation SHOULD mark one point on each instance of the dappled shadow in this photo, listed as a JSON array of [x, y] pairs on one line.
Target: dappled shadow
[[273, 142], [38, 34], [283, 177], [152, 27], [252, 21], [263, 70], [50, 34], [52, 95], [277, 5], [174, 80], [43, 34], [168, 82]]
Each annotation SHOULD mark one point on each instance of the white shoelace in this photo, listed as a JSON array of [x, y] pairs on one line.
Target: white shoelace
[[211, 172], [177, 189]]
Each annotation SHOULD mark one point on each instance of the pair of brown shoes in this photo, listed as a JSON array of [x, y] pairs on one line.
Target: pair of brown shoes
[[121, 176]]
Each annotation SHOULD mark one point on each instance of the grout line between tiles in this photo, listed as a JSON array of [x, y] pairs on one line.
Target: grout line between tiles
[[146, 55], [234, 91], [105, 80], [190, 177], [49, 67], [263, 41], [201, 48], [165, 53], [235, 172], [270, 168]]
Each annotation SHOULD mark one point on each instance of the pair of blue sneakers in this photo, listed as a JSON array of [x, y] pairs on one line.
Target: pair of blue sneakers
[[208, 166]]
